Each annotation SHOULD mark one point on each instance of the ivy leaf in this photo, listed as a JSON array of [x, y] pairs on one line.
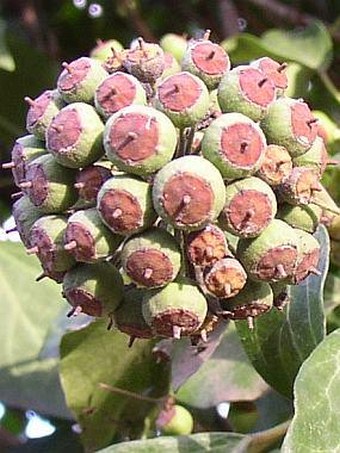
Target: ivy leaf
[[315, 425], [196, 443], [281, 341], [226, 376], [27, 313], [94, 355]]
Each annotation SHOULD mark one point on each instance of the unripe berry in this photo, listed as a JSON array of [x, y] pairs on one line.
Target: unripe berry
[[117, 91], [46, 240], [274, 71], [79, 79], [74, 136], [145, 61], [207, 60], [308, 257], [175, 421], [139, 139], [205, 247], [152, 258], [246, 90], [225, 278], [276, 165], [184, 98], [41, 112], [174, 44], [249, 208], [290, 123], [103, 49], [178, 309], [90, 179], [189, 192], [171, 66], [87, 238], [271, 256], [94, 289], [315, 158], [125, 204], [305, 217], [25, 214], [333, 229], [235, 145], [49, 185]]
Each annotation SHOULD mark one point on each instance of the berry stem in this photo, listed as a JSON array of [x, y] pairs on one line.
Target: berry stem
[[134, 395]]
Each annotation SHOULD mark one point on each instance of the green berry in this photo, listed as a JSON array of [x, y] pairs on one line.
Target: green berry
[[235, 145], [79, 79], [246, 90], [87, 238], [74, 136], [271, 256], [189, 192], [152, 258], [225, 278], [184, 98], [299, 187], [174, 44], [103, 50], [305, 217], [308, 257], [125, 204], [178, 309], [249, 207], [25, 214], [94, 289], [171, 66], [175, 421], [139, 139], [315, 158]]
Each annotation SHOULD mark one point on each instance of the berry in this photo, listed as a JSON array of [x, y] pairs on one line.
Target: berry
[[41, 112], [276, 165], [87, 238], [290, 123], [152, 258], [305, 217], [125, 204], [174, 44], [178, 309], [49, 185], [207, 60], [117, 91], [25, 214], [145, 61], [189, 192], [334, 228], [308, 257], [46, 239], [315, 158], [171, 66], [79, 79], [249, 208], [94, 289], [175, 421], [246, 90], [299, 186], [225, 278], [74, 136], [235, 145], [205, 247], [184, 98], [274, 71], [90, 179], [139, 139], [271, 256], [103, 50]]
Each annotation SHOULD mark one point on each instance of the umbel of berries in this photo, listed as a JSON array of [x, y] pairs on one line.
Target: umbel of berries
[[235, 145], [125, 204], [94, 289], [178, 309], [139, 139], [246, 90], [271, 256], [151, 258], [189, 192], [74, 136]]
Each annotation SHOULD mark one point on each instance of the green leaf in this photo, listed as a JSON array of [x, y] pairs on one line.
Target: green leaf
[[316, 423], [310, 46], [94, 355], [226, 376], [6, 60], [196, 443], [27, 312], [281, 341]]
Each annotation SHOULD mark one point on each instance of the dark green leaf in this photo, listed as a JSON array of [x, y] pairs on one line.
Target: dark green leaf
[[95, 355], [226, 376], [316, 426], [281, 341], [27, 311], [196, 443]]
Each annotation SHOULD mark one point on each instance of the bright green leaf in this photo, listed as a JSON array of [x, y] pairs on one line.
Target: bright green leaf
[[316, 423], [95, 355], [27, 312], [196, 443], [245, 47], [281, 341], [6, 60], [226, 376]]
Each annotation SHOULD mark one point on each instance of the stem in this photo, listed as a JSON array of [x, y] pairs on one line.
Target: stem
[[262, 440], [190, 139], [181, 143], [134, 395], [288, 13]]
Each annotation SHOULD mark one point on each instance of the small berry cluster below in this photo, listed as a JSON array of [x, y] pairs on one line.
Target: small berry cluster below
[[166, 194]]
